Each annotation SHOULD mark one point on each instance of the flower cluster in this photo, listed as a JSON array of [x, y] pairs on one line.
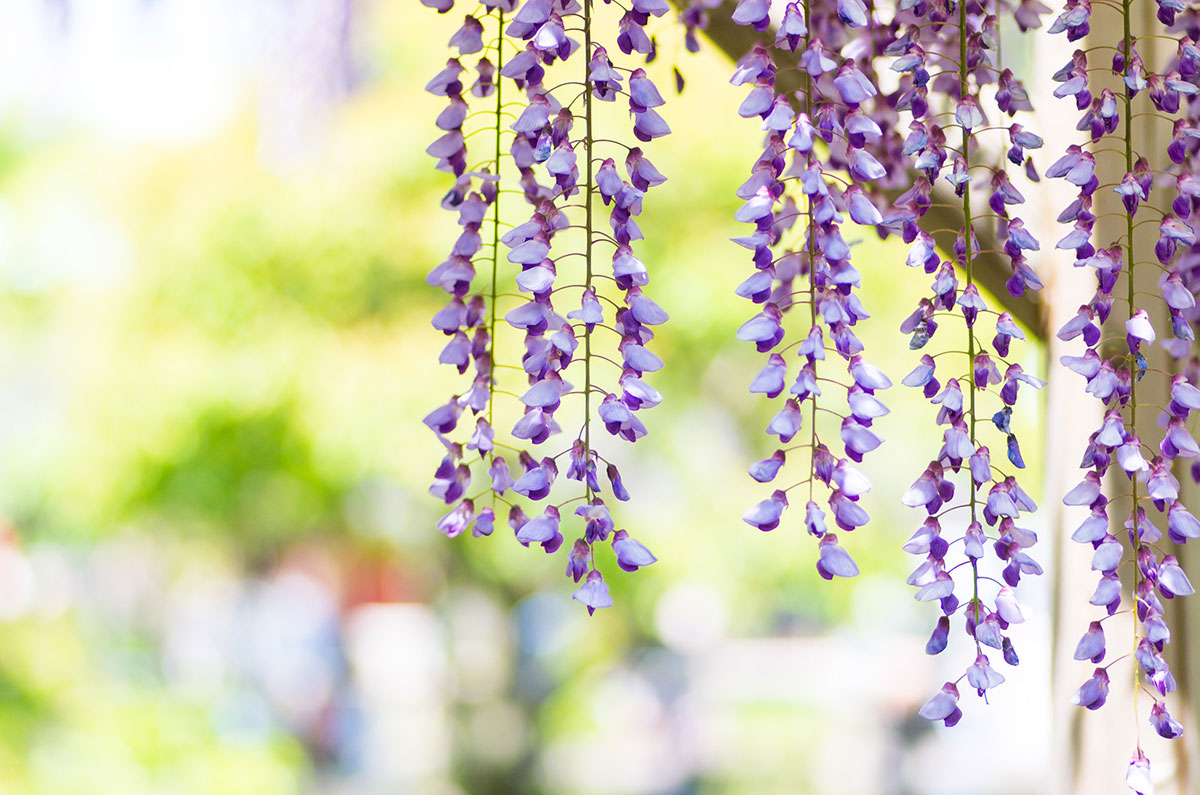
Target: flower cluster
[[829, 83], [1114, 368], [551, 160], [809, 177], [948, 57]]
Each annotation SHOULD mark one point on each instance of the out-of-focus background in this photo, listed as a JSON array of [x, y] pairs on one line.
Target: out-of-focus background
[[218, 566]]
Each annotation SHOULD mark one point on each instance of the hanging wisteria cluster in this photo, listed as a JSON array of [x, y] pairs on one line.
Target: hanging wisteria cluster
[[946, 57], [809, 176], [542, 145], [1129, 548], [953, 80], [872, 114]]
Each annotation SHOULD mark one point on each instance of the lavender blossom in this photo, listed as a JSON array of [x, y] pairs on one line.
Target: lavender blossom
[[550, 146]]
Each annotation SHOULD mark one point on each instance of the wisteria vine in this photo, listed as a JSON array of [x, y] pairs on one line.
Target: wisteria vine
[[954, 51], [534, 52], [828, 142], [878, 112]]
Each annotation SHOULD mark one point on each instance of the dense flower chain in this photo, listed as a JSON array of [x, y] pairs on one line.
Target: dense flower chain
[[948, 58], [551, 151], [827, 143], [1114, 370]]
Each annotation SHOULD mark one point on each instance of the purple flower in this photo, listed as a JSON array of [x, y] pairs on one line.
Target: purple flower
[[852, 13], [765, 515], [922, 376], [938, 640], [764, 471], [867, 375], [864, 406], [859, 440], [1177, 442], [1181, 525], [485, 523], [923, 493], [546, 393], [619, 420], [787, 422], [482, 439], [639, 359], [1172, 581], [792, 28], [967, 114], [457, 520], [988, 632], [1137, 775], [1139, 328], [1107, 555], [1008, 608], [848, 513], [444, 418], [854, 87], [542, 530], [981, 470], [643, 94], [1107, 593], [943, 706], [957, 445], [770, 380], [648, 125], [450, 486], [1093, 528], [765, 329], [580, 559], [833, 561], [594, 593], [1129, 456], [1091, 645], [631, 554], [814, 519], [498, 471], [1161, 486], [614, 477], [1184, 394], [982, 676], [850, 481], [1175, 293], [598, 522], [1086, 492], [941, 587], [753, 12], [1092, 693], [1163, 723], [537, 480]]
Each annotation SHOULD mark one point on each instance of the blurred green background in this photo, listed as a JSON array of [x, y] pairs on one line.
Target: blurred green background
[[219, 571]]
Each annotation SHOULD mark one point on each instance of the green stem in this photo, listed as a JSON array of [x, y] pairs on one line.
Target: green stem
[[968, 233], [495, 240], [588, 184], [1129, 266], [809, 87]]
